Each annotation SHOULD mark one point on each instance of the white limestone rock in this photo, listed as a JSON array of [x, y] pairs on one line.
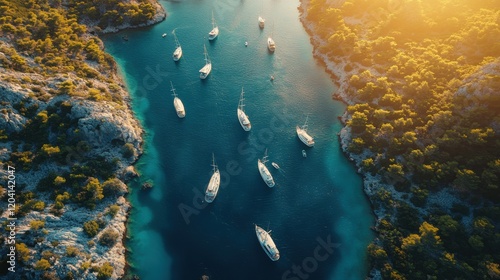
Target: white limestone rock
[[103, 124], [10, 119]]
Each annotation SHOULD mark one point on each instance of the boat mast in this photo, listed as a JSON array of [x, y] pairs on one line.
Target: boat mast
[[213, 20], [177, 44], [241, 105], [173, 89], [207, 59], [213, 163], [264, 159], [304, 127]]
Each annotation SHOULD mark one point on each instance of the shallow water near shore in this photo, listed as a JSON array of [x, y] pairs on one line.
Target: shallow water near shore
[[317, 200]]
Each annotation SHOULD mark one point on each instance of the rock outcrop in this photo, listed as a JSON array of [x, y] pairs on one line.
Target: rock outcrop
[[105, 123], [105, 126]]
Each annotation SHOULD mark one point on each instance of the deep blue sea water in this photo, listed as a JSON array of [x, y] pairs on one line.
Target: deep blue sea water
[[316, 200]]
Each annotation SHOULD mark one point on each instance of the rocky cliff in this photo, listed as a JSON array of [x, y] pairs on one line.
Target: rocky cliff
[[72, 139]]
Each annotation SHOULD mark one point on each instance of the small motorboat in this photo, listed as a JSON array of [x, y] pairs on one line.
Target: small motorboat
[[164, 35], [246, 44], [304, 154], [272, 78], [275, 165]]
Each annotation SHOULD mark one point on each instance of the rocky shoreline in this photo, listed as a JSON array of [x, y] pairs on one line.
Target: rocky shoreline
[[387, 197], [160, 15], [371, 183], [100, 123], [105, 125]]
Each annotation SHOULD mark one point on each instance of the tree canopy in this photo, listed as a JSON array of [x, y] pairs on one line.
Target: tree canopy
[[424, 77]]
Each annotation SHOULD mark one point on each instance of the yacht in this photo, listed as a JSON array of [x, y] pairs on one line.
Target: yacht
[[267, 243], [262, 22], [303, 135], [242, 116], [179, 107], [178, 49], [270, 44], [208, 65], [213, 185], [264, 172], [215, 29]]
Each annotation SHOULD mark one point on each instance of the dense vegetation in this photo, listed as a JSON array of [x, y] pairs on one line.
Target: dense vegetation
[[425, 77], [51, 39], [46, 48], [112, 12]]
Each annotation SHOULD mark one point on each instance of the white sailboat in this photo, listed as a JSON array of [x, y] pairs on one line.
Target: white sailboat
[[267, 243], [208, 65], [215, 29], [264, 172], [242, 116], [179, 107], [178, 49], [262, 22], [270, 44], [303, 135], [213, 185]]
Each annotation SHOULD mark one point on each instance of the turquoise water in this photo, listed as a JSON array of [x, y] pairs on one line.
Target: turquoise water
[[317, 200]]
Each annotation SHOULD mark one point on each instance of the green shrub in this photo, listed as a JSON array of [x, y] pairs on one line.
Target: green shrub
[[72, 251], [23, 253], [113, 209], [38, 205], [58, 181], [108, 238], [85, 266], [113, 187], [37, 224], [42, 264], [49, 255], [91, 228], [105, 271]]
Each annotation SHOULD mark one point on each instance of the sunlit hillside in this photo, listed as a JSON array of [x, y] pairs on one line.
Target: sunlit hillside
[[424, 80]]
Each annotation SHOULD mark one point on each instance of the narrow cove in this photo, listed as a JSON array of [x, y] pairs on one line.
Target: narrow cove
[[317, 200]]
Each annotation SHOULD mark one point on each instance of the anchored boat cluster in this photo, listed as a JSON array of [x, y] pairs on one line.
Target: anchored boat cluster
[[212, 189]]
